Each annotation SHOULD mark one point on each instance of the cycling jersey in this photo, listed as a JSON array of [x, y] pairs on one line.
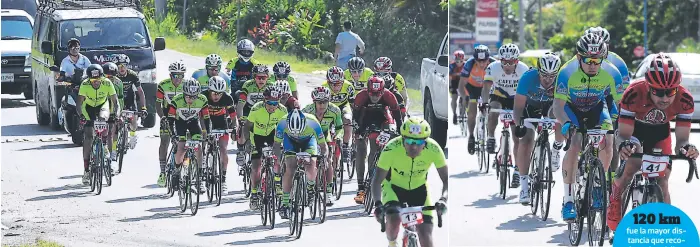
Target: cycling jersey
[[342, 97], [292, 82], [166, 92], [250, 94], [203, 78], [474, 74], [96, 97], [180, 110], [366, 113], [241, 72], [131, 82], [455, 71], [264, 123], [218, 110], [312, 130], [399, 82], [360, 83], [585, 92], [530, 86], [331, 116], [410, 173], [621, 66], [504, 85], [119, 89], [636, 106]]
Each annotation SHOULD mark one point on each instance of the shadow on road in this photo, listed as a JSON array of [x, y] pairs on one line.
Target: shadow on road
[[158, 210], [65, 187], [151, 186], [340, 209], [139, 198], [493, 201], [51, 146], [268, 239], [236, 214], [344, 216], [528, 223], [73, 194], [468, 174], [562, 239], [16, 103], [28, 130], [241, 229], [160, 215], [71, 176]]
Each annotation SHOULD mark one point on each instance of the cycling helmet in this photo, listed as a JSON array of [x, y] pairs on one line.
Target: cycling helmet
[[283, 87], [321, 94], [281, 69], [217, 84], [122, 59], [481, 52], [245, 49], [296, 122], [663, 73], [213, 60], [272, 93], [509, 51], [389, 82], [94, 71], [591, 45], [356, 63], [191, 87], [602, 32], [415, 128], [375, 84], [109, 68], [459, 55], [177, 67], [335, 74], [73, 42], [549, 63], [260, 69], [382, 64]]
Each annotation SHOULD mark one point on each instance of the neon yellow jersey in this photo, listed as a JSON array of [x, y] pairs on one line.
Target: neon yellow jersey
[[585, 92], [96, 97], [342, 97], [362, 82], [264, 122], [331, 116], [408, 173], [292, 82]]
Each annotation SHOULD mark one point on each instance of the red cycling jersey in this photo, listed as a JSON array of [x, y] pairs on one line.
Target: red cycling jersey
[[365, 112]]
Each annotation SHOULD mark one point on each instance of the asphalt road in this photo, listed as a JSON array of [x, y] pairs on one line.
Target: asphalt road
[[43, 197], [479, 217]]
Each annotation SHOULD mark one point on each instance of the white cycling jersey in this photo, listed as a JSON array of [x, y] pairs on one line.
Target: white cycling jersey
[[504, 85]]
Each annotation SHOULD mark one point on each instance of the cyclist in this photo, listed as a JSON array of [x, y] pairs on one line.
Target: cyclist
[[328, 114], [287, 99], [132, 88], [96, 99], [357, 73], [300, 132], [262, 121], [382, 66], [582, 85], [281, 71], [376, 106], [455, 69], [505, 74], [188, 111], [251, 93], [241, 68], [110, 70], [648, 105], [390, 83], [405, 163], [342, 96], [222, 115], [533, 99], [167, 89], [472, 79], [212, 67]]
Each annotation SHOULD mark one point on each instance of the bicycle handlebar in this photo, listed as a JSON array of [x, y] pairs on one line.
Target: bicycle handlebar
[[393, 211], [692, 166], [573, 129]]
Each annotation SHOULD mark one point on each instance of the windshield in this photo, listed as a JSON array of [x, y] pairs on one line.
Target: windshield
[[16, 27], [112, 33], [687, 62], [28, 6]]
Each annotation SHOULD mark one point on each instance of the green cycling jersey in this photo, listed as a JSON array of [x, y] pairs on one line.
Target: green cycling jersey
[[406, 172]]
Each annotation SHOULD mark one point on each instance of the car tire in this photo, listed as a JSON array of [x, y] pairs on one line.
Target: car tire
[[28, 92], [439, 127], [55, 125], [149, 121], [41, 117]]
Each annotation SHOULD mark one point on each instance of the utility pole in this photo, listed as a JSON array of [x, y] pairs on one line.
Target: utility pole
[[160, 10], [184, 17], [539, 26], [646, 46], [521, 25], [238, 20]]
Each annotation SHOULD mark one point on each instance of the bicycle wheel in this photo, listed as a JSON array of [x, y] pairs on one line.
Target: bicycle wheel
[[368, 192], [314, 205], [196, 178], [534, 182], [351, 165], [170, 170], [121, 148], [596, 215], [209, 174], [301, 198], [652, 193], [322, 200], [93, 167], [574, 227], [246, 181], [338, 179], [545, 182], [107, 170], [293, 206], [503, 167], [264, 210], [183, 189], [99, 163], [270, 196], [217, 175]]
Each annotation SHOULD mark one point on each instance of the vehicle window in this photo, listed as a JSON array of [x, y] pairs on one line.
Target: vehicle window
[[16, 27], [642, 68], [113, 33], [444, 47], [28, 6], [687, 62]]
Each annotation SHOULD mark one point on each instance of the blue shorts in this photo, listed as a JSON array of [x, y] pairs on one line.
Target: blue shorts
[[292, 146], [343, 61], [598, 116]]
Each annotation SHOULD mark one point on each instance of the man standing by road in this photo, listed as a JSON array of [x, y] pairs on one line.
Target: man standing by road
[[345, 45]]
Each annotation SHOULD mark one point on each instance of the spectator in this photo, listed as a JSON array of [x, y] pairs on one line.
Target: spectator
[[345, 45]]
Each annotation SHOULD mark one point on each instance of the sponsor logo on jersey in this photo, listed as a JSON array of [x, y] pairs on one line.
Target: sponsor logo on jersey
[[187, 113], [655, 116]]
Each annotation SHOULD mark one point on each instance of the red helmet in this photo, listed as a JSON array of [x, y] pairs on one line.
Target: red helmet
[[459, 55], [375, 85], [663, 73]]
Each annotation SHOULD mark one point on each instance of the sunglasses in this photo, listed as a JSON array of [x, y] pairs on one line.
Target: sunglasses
[[591, 61], [355, 71], [218, 93], [272, 102], [664, 92], [509, 62], [213, 68], [191, 97], [121, 65], [93, 80], [411, 141], [281, 76], [548, 76], [177, 76], [261, 77]]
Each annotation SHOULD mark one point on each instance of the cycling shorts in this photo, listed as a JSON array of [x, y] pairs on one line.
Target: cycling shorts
[[454, 84], [474, 92], [164, 130], [535, 112], [219, 123], [129, 104], [292, 147], [261, 141], [654, 136], [598, 116], [506, 103], [181, 127], [393, 195], [92, 112]]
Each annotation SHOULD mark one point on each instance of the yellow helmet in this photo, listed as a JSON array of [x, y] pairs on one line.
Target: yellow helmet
[[416, 128]]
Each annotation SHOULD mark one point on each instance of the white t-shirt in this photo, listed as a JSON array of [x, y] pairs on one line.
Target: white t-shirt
[[348, 41], [502, 83], [69, 67]]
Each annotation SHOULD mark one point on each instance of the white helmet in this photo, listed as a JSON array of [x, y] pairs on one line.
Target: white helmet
[[245, 49], [509, 51], [217, 84], [296, 121], [549, 63], [191, 87], [213, 60], [283, 86], [321, 94], [600, 31], [177, 67]]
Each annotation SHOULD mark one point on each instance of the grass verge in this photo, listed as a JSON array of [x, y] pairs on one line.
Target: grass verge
[[40, 243], [416, 100]]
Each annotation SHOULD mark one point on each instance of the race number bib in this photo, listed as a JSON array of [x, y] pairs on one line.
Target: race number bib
[[547, 124], [654, 166], [595, 139], [100, 126], [383, 138], [411, 218], [507, 116]]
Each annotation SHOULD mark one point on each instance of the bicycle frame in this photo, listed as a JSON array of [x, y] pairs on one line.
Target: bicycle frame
[[410, 218]]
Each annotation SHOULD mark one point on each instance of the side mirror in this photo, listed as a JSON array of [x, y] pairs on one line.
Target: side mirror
[[54, 68], [159, 44], [443, 60], [47, 47]]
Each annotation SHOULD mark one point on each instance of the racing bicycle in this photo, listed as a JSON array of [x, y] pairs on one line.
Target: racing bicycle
[[189, 177], [99, 162], [503, 157], [410, 218], [299, 195], [213, 171], [541, 179], [267, 187], [480, 143]]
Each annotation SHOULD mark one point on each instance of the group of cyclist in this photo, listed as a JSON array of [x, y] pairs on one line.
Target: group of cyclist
[[585, 92], [264, 111]]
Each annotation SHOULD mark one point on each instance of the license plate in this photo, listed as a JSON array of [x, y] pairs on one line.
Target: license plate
[[8, 77]]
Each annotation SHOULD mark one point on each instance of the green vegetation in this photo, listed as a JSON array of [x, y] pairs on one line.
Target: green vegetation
[[40, 243], [416, 100]]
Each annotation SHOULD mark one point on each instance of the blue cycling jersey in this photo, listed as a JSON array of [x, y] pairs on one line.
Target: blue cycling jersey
[[585, 92], [621, 66], [531, 87]]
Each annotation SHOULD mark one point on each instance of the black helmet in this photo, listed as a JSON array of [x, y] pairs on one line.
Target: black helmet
[[94, 71], [110, 68], [356, 63], [73, 42]]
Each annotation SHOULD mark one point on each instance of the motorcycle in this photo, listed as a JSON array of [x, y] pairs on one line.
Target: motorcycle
[[68, 115]]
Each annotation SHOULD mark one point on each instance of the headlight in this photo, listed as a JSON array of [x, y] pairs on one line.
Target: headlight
[[28, 61], [147, 76]]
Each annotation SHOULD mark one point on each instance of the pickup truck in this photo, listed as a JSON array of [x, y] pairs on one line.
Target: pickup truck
[[434, 88]]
